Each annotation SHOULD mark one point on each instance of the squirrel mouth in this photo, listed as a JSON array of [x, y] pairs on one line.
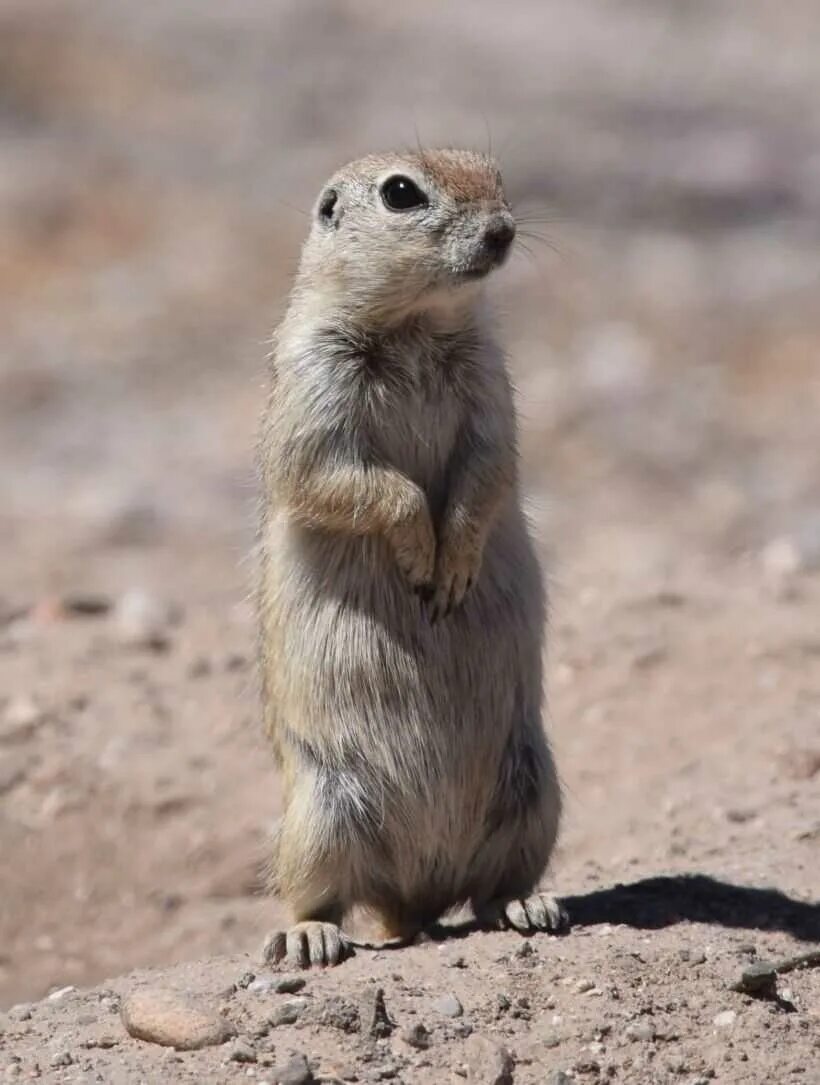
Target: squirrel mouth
[[472, 274], [483, 264]]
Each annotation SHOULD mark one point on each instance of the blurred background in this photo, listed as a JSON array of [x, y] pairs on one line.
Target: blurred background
[[157, 164]]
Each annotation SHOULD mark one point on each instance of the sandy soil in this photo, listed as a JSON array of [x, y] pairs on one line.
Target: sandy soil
[[669, 385]]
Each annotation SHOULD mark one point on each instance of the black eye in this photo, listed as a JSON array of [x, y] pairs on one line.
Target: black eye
[[327, 204], [401, 194]]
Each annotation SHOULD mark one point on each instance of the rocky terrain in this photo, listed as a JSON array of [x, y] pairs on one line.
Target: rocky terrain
[[663, 319]]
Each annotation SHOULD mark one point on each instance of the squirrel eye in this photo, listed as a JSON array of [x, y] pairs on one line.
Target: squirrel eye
[[327, 204], [401, 194]]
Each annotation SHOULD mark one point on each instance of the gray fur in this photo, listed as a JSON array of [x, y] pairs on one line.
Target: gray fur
[[417, 772]]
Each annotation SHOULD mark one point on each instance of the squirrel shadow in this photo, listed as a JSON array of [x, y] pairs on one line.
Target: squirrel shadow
[[653, 903]]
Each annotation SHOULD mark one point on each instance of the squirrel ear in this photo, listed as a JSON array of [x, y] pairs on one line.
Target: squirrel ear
[[327, 206]]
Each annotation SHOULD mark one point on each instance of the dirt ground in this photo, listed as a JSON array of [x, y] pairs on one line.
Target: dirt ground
[[667, 358]]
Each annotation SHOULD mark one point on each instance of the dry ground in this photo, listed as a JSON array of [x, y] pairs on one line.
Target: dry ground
[[668, 364]]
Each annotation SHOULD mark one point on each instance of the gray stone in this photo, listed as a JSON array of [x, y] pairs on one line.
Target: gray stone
[[294, 1072], [288, 985], [416, 1036], [488, 1063], [287, 1013], [640, 1030], [448, 1006], [758, 979], [242, 1052]]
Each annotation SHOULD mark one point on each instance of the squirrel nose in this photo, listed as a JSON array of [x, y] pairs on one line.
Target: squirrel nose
[[498, 236]]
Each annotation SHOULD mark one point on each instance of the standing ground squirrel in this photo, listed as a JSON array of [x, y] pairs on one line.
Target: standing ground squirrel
[[401, 604]]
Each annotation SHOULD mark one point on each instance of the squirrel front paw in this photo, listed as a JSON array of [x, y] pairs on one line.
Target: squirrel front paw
[[457, 568], [414, 545]]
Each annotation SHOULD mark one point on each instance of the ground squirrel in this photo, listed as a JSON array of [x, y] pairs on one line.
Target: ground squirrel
[[401, 605]]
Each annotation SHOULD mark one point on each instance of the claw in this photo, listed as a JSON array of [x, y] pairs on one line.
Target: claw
[[309, 944], [538, 912], [274, 948], [517, 916], [297, 949]]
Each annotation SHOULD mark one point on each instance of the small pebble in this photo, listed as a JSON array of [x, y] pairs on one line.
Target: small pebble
[[724, 1019], [287, 1013], [60, 993], [142, 621], [288, 985], [416, 1036], [640, 1030], [488, 1063], [242, 1052], [85, 604], [21, 717], [295, 1071], [693, 956], [61, 1058], [448, 1006], [586, 1065], [758, 979]]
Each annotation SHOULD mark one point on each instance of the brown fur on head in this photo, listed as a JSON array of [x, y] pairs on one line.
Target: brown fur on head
[[394, 233]]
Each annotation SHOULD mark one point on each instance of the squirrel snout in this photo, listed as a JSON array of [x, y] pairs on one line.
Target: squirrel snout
[[498, 236]]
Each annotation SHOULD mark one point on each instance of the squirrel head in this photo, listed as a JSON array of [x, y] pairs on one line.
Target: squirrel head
[[398, 233]]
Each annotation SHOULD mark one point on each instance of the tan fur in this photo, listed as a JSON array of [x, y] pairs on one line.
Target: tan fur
[[401, 604], [463, 177]]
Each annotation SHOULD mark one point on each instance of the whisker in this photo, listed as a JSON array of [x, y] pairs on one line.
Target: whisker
[[546, 241], [293, 207], [539, 219], [419, 146], [489, 134], [525, 250]]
